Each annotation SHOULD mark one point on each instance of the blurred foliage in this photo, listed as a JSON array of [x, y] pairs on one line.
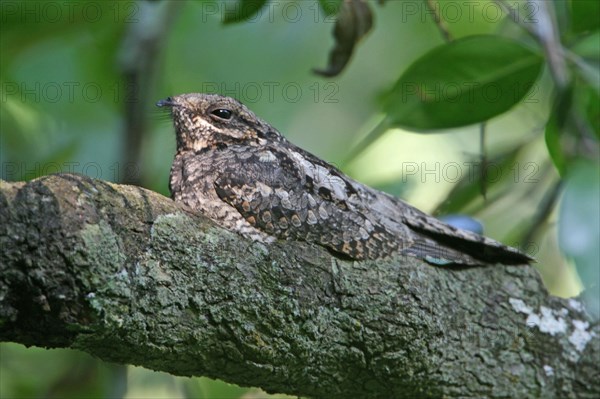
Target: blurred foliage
[[423, 67], [69, 374], [579, 236], [243, 11]]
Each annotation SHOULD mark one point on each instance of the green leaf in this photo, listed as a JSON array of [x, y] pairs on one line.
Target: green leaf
[[579, 227], [463, 82], [589, 65], [575, 114], [242, 10], [592, 109], [553, 143], [585, 15], [330, 7], [587, 109], [587, 46]]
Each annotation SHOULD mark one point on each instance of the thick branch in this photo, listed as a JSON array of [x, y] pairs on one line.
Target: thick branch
[[129, 276]]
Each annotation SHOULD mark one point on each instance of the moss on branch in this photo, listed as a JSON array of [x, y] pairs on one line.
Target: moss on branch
[[131, 277]]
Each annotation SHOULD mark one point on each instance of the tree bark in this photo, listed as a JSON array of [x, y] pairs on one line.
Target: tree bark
[[132, 277]]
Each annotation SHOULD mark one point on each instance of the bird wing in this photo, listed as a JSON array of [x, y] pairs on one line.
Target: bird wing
[[291, 194], [285, 195]]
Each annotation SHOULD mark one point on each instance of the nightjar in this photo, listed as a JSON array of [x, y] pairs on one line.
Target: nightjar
[[242, 173]]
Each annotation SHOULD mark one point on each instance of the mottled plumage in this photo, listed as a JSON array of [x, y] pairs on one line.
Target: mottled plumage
[[242, 173]]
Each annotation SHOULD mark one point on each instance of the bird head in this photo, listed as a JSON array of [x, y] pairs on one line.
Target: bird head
[[213, 121]]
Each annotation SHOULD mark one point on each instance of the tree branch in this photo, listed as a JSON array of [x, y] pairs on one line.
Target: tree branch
[[131, 277]]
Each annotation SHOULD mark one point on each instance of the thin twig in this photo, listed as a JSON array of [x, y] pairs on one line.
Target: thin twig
[[138, 59], [439, 21], [547, 205], [549, 37], [514, 16], [484, 160], [546, 34]]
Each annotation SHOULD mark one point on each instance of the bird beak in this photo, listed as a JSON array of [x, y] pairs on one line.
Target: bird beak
[[167, 102]]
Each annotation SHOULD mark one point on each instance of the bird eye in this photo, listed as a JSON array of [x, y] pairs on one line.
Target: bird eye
[[222, 113]]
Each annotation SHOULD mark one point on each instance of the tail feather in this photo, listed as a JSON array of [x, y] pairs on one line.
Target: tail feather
[[442, 248]]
